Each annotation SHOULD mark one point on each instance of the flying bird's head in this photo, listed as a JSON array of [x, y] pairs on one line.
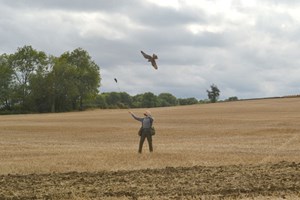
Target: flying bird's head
[[155, 56]]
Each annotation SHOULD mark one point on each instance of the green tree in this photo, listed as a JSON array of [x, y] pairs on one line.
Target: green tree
[[167, 99], [87, 74], [25, 62], [100, 101], [126, 100], [149, 100], [39, 95], [63, 88], [188, 101], [113, 99], [232, 99], [41, 88], [31, 81], [6, 78], [137, 101], [213, 94]]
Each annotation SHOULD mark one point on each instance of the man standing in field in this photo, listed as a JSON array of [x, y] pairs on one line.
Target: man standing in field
[[145, 131]]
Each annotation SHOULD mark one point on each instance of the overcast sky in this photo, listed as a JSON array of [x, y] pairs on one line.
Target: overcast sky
[[248, 48]]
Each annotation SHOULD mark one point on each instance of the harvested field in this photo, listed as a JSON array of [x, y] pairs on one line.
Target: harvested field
[[244, 149]]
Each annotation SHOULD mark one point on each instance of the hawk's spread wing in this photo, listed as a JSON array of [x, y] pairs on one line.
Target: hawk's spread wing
[[146, 55], [154, 64]]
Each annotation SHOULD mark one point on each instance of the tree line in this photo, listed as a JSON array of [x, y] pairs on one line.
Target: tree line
[[146, 100]]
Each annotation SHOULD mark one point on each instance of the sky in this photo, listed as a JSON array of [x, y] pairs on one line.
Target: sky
[[247, 48]]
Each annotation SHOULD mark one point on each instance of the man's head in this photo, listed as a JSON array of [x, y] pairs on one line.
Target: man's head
[[147, 113]]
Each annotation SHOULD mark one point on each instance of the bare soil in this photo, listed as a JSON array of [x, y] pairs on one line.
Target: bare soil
[[198, 182]]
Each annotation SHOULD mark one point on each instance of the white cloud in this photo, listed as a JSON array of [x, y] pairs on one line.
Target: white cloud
[[196, 28], [110, 26]]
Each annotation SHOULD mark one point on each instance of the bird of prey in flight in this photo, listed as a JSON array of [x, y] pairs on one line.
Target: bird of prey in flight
[[151, 59]]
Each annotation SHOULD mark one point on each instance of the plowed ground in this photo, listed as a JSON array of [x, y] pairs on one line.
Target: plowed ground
[[198, 182]]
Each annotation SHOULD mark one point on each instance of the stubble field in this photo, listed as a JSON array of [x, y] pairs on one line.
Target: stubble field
[[234, 150]]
